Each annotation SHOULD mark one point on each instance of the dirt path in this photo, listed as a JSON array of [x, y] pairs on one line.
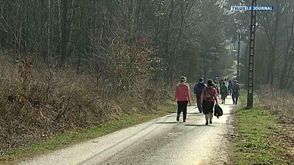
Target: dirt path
[[159, 141]]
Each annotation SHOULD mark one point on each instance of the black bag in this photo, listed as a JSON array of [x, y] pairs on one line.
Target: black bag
[[218, 111]]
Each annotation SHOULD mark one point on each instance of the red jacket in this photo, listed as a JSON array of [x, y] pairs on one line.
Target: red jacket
[[182, 92], [214, 93]]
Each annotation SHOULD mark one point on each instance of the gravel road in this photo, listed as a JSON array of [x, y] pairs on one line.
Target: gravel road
[[157, 142]]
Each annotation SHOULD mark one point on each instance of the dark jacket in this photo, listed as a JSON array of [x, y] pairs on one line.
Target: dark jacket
[[198, 89]]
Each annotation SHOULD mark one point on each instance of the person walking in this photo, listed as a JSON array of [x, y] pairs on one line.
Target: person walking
[[215, 85], [182, 96], [230, 87], [224, 92], [235, 91], [197, 91], [227, 83], [208, 98], [221, 81]]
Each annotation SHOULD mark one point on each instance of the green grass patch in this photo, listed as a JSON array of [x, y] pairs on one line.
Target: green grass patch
[[254, 126], [243, 97], [70, 138]]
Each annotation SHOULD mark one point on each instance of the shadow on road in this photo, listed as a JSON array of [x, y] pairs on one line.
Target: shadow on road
[[171, 112], [195, 114], [196, 125], [167, 122]]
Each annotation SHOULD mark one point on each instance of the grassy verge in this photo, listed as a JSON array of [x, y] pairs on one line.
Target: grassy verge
[[254, 127], [67, 139], [243, 97]]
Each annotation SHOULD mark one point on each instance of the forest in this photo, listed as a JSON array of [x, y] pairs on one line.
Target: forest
[[73, 64], [274, 46], [69, 65]]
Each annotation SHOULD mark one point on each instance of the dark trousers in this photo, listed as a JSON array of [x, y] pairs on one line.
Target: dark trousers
[[182, 106], [235, 97], [199, 105]]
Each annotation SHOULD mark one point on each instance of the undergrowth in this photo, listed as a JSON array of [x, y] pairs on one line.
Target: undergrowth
[[38, 102]]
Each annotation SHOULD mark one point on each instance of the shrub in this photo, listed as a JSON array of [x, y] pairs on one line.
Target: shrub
[[37, 102]]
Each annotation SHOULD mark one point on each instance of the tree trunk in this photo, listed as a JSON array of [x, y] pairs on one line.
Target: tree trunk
[[64, 32]]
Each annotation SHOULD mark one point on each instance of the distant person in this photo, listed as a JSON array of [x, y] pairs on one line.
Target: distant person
[[208, 97], [215, 85], [221, 81], [235, 91], [227, 83], [224, 92], [182, 96], [216, 79], [197, 91], [230, 87]]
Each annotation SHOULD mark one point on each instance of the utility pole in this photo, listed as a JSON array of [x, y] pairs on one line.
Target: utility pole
[[238, 57], [251, 57]]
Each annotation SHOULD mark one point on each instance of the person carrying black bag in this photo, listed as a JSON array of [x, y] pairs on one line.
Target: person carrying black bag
[[208, 98]]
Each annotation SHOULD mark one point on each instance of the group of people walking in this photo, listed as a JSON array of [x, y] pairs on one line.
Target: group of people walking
[[206, 96], [227, 87]]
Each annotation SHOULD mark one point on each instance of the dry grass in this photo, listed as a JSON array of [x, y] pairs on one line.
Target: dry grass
[[285, 139], [280, 103], [37, 102]]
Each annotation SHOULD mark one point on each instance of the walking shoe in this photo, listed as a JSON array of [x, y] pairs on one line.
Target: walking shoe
[[206, 123], [184, 121], [210, 122]]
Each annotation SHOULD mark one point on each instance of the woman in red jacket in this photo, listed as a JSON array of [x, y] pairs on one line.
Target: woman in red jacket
[[182, 96]]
